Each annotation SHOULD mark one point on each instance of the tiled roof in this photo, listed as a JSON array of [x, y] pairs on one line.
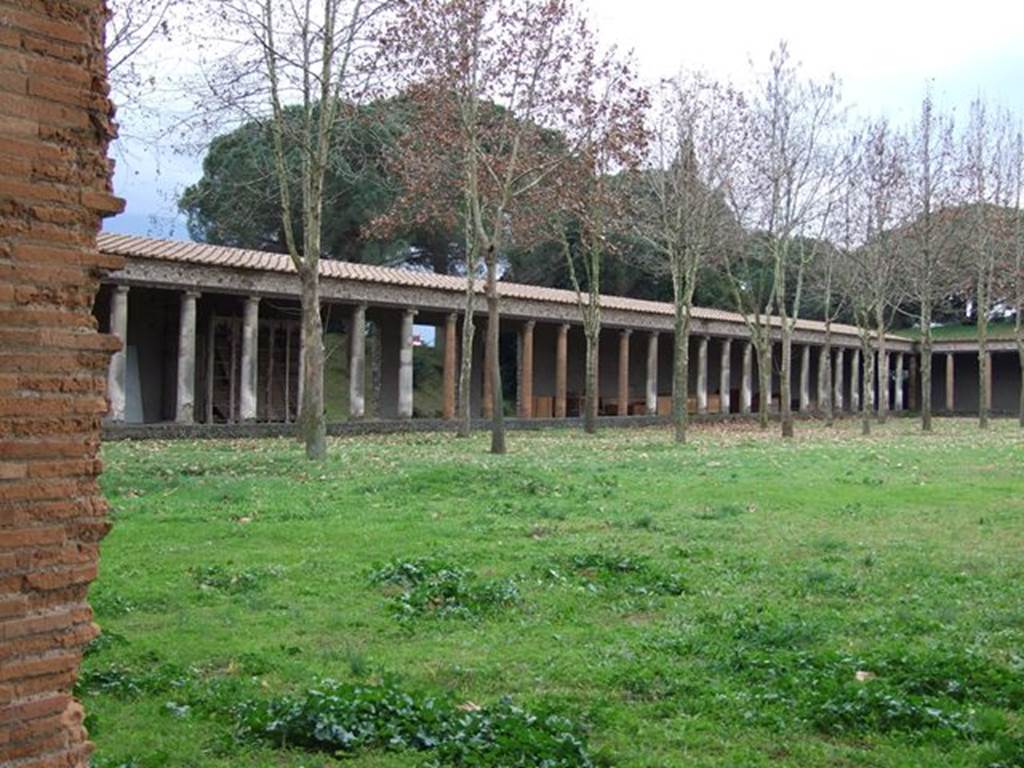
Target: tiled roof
[[238, 258]]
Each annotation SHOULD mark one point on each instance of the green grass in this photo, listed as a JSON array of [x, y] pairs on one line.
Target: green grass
[[957, 332], [834, 601]]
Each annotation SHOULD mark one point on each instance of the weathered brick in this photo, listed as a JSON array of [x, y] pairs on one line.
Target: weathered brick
[[28, 537]]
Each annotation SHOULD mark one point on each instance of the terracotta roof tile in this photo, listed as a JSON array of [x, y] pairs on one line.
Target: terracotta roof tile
[[198, 253]]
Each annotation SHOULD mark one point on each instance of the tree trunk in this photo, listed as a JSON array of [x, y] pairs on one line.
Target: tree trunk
[[312, 420], [498, 445], [926, 369], [984, 380], [1020, 410], [786, 382], [592, 382], [681, 377], [764, 377], [883, 368], [827, 389], [466, 363], [868, 402]]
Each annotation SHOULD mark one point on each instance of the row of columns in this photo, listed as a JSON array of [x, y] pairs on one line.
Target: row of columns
[[186, 368]]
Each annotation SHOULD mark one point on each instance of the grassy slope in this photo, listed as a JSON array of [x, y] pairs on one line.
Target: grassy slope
[[426, 379], [999, 330], [829, 546]]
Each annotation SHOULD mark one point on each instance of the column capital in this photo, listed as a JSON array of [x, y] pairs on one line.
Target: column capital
[[253, 299], [530, 324], [654, 334], [192, 293], [565, 327], [411, 312], [627, 332], [122, 288]]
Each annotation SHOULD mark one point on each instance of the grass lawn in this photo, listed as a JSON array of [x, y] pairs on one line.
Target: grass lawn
[[833, 601]]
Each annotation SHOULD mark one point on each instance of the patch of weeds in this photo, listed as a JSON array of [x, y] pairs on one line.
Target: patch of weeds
[[348, 719], [431, 586], [826, 583], [722, 512], [918, 692], [105, 640], [611, 570], [108, 604], [645, 523], [126, 682], [220, 578]]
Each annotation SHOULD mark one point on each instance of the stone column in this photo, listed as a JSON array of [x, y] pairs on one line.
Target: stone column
[[357, 364], [652, 374], [725, 377], [771, 379], [561, 371], [451, 325], [624, 371], [884, 380], [526, 375], [405, 382], [950, 382], [702, 375], [747, 386], [118, 361], [898, 400], [250, 358], [805, 378], [837, 374], [855, 382], [185, 405]]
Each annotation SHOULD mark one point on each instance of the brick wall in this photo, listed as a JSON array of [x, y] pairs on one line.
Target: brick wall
[[55, 123]]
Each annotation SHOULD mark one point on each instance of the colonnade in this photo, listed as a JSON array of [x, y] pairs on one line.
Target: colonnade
[[839, 378]]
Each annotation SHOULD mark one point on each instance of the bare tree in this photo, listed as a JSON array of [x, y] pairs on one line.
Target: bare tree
[[873, 280], [134, 25], [783, 196], [682, 217], [295, 67], [502, 73], [988, 174], [605, 137], [1018, 255], [929, 266]]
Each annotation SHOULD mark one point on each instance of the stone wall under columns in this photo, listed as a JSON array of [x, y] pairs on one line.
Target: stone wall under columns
[[55, 124]]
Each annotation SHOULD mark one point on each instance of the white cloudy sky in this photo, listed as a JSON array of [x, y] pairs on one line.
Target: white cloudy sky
[[884, 52]]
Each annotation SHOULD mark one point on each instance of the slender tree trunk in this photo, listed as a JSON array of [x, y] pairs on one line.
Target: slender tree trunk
[[498, 445], [868, 402], [984, 382], [312, 420], [926, 368], [764, 378], [826, 390], [681, 376], [786, 381], [883, 368], [466, 362], [592, 382], [1020, 410]]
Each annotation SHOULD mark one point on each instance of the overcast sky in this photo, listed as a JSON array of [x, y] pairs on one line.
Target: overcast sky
[[883, 51]]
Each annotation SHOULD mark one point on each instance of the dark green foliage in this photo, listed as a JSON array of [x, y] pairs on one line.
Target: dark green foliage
[[435, 587], [616, 571], [344, 718]]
